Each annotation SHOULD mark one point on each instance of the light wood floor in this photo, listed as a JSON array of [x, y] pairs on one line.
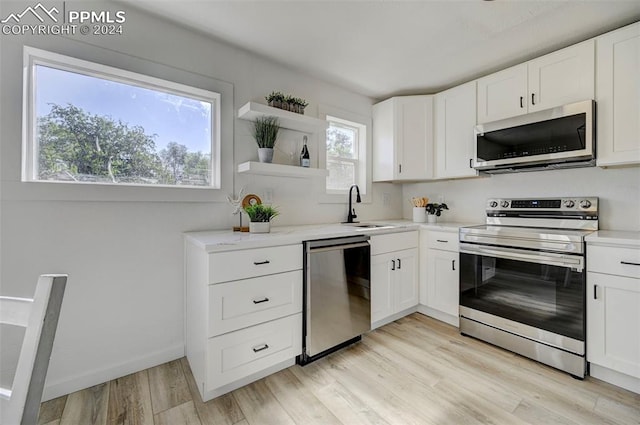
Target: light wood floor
[[413, 371]]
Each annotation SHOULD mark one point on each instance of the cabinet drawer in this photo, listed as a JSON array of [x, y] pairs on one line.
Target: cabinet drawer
[[243, 303], [391, 242], [446, 241], [235, 265], [614, 260], [236, 355]]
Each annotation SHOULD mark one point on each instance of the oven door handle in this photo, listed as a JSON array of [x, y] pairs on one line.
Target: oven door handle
[[576, 264]]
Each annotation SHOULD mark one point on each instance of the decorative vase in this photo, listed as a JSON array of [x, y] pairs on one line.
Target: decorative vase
[[265, 154], [432, 218], [260, 227], [419, 215]]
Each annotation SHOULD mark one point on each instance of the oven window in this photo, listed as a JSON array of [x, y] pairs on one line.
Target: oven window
[[539, 295]]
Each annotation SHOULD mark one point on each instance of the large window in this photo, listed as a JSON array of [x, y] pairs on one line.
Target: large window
[[346, 153], [89, 123]]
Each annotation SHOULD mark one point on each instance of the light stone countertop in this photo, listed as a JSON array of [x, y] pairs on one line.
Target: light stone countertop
[[226, 240], [614, 237]]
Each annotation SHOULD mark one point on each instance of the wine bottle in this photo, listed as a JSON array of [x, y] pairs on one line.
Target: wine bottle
[[304, 155]]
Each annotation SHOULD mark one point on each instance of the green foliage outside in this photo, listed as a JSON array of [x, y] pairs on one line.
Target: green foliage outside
[[75, 145]]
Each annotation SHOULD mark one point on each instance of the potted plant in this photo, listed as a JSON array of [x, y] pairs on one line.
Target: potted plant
[[260, 217], [301, 105], [275, 99], [434, 210], [265, 131]]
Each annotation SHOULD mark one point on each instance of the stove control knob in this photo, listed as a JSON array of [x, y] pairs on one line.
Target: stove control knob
[[569, 203], [585, 203], [493, 204], [504, 204]]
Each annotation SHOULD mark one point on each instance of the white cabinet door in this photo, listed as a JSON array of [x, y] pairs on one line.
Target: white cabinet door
[[406, 279], [613, 322], [562, 77], [442, 281], [394, 283], [618, 96], [382, 289], [403, 139], [503, 94], [414, 145], [455, 113]]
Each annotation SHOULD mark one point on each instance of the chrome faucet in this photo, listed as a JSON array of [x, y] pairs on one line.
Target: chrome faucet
[[352, 211]]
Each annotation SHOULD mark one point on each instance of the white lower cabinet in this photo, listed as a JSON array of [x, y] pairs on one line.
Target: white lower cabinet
[[243, 314], [439, 275], [394, 276], [613, 314]]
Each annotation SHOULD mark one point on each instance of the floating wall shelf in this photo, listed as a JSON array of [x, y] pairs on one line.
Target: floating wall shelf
[[280, 170], [289, 120]]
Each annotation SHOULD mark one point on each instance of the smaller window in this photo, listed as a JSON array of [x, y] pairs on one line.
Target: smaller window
[[346, 152]]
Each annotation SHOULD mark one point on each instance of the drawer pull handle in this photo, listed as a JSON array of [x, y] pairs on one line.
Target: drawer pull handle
[[441, 240], [595, 292], [399, 264], [264, 300], [260, 348], [393, 264], [260, 263], [453, 265], [629, 263]]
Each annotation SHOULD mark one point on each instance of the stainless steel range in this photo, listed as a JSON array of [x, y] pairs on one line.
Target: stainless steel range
[[522, 278]]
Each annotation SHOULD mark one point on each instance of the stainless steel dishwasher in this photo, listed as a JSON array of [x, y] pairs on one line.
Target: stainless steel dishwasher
[[337, 294]]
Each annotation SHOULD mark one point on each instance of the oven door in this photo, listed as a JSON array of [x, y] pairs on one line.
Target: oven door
[[544, 291]]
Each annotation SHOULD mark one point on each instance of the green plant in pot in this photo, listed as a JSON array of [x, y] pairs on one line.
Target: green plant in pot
[[434, 210], [275, 99], [260, 217], [265, 131]]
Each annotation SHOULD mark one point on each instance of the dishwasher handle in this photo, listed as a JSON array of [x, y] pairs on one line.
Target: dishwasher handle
[[336, 247]]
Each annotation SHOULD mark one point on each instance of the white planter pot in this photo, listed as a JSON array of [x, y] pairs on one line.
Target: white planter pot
[[419, 215], [265, 154], [260, 227], [432, 218]]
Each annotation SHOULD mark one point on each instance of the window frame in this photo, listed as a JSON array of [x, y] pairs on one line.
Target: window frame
[[33, 57], [363, 169]]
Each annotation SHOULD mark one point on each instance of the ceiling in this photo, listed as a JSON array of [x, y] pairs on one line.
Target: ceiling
[[385, 48]]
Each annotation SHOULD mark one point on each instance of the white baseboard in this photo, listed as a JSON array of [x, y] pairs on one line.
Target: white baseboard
[[393, 317], [616, 378], [441, 316], [86, 380]]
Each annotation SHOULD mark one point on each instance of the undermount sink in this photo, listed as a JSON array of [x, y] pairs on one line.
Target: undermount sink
[[363, 226]]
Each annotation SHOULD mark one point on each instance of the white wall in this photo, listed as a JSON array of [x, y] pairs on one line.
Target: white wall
[[122, 247], [618, 190]]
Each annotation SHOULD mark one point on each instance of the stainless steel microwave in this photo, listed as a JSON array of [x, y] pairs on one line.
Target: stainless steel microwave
[[561, 137]]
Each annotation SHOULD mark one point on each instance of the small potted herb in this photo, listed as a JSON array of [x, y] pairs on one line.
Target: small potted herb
[[265, 131], [260, 217], [301, 105], [275, 99], [434, 210]]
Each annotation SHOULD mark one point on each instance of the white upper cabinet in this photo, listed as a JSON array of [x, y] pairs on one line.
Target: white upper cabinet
[[455, 118], [618, 96], [403, 139], [503, 94], [561, 77]]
